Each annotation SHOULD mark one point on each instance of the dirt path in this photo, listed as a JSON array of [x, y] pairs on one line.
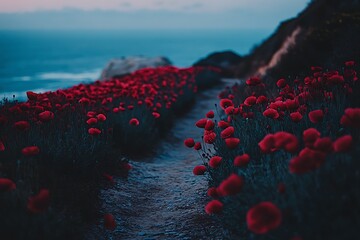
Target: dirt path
[[162, 199]]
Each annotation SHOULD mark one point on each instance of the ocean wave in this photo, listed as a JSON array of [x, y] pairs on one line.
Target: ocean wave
[[82, 76], [91, 75], [23, 78]]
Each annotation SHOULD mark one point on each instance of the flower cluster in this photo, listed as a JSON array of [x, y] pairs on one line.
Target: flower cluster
[[268, 147], [64, 141]]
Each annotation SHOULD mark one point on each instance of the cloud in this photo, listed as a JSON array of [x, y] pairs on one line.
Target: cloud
[[193, 6], [126, 4]]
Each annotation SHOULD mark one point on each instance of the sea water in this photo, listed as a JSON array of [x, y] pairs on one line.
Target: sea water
[[43, 60]]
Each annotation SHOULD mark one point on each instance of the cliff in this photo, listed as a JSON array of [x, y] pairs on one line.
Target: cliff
[[326, 33]]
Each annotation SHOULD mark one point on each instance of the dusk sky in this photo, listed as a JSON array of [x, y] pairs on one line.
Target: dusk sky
[[146, 13]]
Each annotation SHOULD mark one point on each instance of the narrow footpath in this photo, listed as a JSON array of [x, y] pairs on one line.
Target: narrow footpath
[[161, 198]]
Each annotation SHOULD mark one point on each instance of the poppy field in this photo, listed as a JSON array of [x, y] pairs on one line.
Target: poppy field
[[59, 148], [281, 157]]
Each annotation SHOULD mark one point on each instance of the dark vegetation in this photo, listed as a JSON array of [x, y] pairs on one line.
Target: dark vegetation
[[59, 148], [286, 166]]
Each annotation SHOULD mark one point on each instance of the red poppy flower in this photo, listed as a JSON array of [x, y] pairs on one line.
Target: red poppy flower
[[308, 160], [231, 185], [228, 132], [109, 222], [212, 192], [84, 101], [263, 217], [101, 117], [91, 114], [253, 81], [109, 178], [210, 114], [39, 202], [287, 141], [343, 143], [261, 99], [91, 121], [6, 185], [201, 123], [214, 207], [225, 103], [324, 145], [156, 115], [222, 124], [125, 166], [250, 101], [316, 68], [350, 63], [199, 170], [189, 142], [281, 83], [242, 160], [316, 116], [271, 113], [292, 104], [197, 146], [94, 131], [267, 144], [336, 79], [22, 125], [351, 118], [209, 125], [229, 119], [230, 110], [310, 135], [215, 161], [30, 151], [278, 105], [210, 137], [134, 122], [46, 116], [296, 117], [232, 142], [2, 146], [312, 153]]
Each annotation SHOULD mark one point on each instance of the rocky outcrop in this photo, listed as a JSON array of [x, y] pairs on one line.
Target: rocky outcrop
[[126, 65], [226, 61], [326, 33]]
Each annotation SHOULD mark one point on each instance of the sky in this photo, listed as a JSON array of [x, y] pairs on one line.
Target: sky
[[91, 14]]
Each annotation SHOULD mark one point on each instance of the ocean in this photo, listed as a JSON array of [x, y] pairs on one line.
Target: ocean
[[49, 60]]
